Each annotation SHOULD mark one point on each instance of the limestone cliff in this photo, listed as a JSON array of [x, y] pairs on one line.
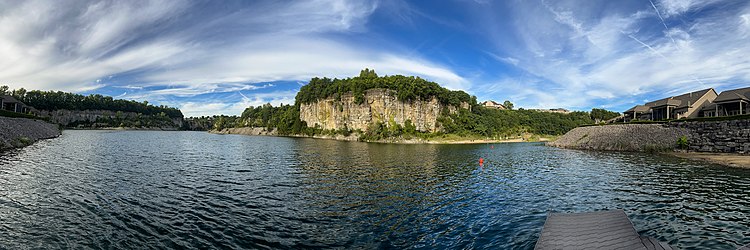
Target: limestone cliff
[[379, 105], [95, 117]]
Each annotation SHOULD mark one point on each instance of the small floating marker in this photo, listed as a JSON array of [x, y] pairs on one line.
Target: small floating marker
[[481, 161], [492, 146]]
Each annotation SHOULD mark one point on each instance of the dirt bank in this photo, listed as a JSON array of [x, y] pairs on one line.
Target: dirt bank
[[726, 159]]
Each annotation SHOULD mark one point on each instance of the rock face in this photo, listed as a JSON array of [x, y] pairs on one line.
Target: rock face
[[246, 131], [717, 136], [19, 132], [379, 105], [66, 117], [622, 137]]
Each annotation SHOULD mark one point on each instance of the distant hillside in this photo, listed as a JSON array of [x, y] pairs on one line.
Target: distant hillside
[[94, 111]]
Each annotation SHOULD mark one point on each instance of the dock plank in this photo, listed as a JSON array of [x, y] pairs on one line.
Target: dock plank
[[593, 230]]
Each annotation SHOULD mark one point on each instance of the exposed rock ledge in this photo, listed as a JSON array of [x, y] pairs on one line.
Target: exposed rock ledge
[[624, 137], [20, 132], [262, 131]]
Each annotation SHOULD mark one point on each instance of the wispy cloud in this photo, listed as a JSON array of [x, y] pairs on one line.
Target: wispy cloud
[[618, 59], [182, 48]]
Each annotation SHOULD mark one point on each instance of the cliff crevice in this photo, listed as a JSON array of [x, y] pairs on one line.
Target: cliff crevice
[[379, 105]]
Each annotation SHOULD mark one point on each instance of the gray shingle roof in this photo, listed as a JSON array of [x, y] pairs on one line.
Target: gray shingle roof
[[638, 109], [680, 101], [9, 99], [734, 95]]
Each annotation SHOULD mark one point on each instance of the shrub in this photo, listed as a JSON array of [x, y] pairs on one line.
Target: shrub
[[682, 142]]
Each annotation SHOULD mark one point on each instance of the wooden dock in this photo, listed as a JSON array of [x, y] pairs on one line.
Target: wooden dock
[[595, 230]]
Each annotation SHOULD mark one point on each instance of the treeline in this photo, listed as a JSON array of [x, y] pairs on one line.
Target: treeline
[[408, 88], [284, 118], [600, 115], [509, 123], [55, 100]]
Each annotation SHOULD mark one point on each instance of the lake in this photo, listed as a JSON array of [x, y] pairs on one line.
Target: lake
[[152, 189]]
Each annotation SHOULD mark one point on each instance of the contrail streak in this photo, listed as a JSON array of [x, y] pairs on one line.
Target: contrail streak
[[662, 21], [665, 58]]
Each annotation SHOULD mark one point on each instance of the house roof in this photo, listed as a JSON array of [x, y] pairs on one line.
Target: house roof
[[734, 95], [692, 97], [680, 101], [638, 109], [9, 99]]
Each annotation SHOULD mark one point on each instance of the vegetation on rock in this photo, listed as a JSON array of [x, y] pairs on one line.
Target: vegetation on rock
[[408, 88]]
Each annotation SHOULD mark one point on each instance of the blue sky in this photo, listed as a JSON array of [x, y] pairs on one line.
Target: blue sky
[[218, 57]]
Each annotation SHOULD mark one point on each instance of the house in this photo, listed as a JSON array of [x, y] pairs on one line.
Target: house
[[639, 112], [689, 105], [12, 104], [730, 102], [493, 104], [557, 110]]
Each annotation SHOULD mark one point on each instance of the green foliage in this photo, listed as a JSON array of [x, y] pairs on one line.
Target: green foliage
[[507, 104], [285, 118], [682, 142], [55, 100], [510, 123], [407, 89], [220, 123], [21, 141], [602, 114]]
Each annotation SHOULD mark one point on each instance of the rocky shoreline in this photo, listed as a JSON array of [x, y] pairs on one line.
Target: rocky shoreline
[[355, 137], [21, 132], [622, 137]]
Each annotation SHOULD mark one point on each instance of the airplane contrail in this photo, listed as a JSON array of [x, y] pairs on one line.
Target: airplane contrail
[[662, 21], [663, 56]]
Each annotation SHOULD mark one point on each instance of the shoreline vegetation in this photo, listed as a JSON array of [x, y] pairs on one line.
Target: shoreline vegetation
[[462, 120], [441, 139]]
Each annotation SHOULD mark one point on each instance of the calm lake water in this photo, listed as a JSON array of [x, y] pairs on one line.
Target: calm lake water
[[141, 189]]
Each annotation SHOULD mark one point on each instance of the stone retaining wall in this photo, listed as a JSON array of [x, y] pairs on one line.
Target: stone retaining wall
[[717, 136], [703, 136]]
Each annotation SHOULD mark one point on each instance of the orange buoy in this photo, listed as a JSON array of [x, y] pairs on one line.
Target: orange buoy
[[481, 161]]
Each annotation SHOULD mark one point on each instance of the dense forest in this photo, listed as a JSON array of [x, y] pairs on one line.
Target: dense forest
[[55, 100], [408, 88]]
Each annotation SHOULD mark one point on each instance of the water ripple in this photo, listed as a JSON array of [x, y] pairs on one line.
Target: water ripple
[[138, 189]]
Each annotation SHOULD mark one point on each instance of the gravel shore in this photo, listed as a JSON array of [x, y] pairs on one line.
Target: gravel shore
[[20, 132], [624, 137]]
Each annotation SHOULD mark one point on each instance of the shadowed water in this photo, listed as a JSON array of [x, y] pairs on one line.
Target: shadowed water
[[139, 189]]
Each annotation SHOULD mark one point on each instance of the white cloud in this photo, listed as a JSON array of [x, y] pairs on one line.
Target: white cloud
[[69, 46], [594, 60], [215, 107]]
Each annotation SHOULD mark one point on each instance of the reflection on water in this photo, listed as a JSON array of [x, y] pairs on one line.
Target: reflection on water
[[138, 189]]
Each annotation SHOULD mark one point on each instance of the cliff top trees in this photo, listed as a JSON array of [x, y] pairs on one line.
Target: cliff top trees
[[408, 88]]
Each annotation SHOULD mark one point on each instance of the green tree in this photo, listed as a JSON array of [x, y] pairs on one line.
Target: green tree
[[508, 104], [599, 115]]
